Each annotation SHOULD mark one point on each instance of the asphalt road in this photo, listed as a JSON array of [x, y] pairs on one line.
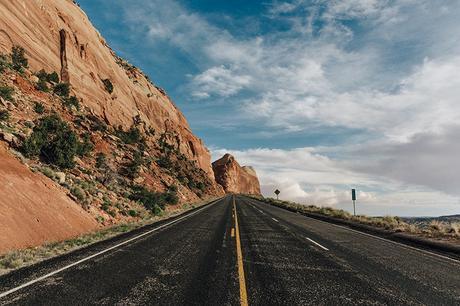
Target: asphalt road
[[262, 255]]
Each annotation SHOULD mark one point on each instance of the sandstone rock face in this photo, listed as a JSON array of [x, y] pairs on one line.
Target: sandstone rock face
[[42, 212], [234, 178], [58, 36]]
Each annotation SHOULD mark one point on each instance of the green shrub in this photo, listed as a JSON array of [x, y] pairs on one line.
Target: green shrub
[[53, 77], [201, 186], [132, 213], [42, 86], [153, 200], [85, 147], [132, 169], [53, 141], [132, 136], [4, 115], [106, 205], [171, 198], [108, 85], [101, 160], [6, 92], [71, 101], [4, 63], [18, 59], [39, 108], [78, 193], [62, 89]]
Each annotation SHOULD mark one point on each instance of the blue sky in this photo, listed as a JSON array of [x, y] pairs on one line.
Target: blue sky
[[320, 96]]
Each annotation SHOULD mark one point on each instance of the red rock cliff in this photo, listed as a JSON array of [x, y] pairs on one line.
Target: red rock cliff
[[235, 178], [58, 36]]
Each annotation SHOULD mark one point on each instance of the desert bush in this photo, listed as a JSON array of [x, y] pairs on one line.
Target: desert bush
[[131, 170], [437, 226], [48, 172], [153, 201], [4, 115], [42, 86], [101, 160], [18, 58], [85, 147], [62, 90], [6, 92], [71, 101], [108, 85], [4, 62], [39, 108], [132, 213], [53, 141], [78, 193], [132, 136], [454, 228]]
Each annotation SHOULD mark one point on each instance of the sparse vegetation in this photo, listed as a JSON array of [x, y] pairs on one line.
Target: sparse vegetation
[[18, 59], [4, 115], [71, 101], [132, 168], [62, 90], [6, 93], [132, 136], [85, 147], [4, 63], [101, 160], [435, 229], [153, 201], [108, 85], [44, 78], [78, 193], [53, 141], [39, 108]]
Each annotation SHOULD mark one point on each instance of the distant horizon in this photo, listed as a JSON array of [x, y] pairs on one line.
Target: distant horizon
[[318, 96]]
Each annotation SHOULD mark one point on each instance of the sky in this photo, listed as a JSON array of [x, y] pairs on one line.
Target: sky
[[319, 96]]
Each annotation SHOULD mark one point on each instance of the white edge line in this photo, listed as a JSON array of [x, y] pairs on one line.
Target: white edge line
[[391, 241], [275, 220], [3, 294], [316, 243], [434, 255]]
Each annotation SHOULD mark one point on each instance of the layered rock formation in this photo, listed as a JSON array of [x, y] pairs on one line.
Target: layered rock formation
[[58, 36], [235, 178], [136, 137]]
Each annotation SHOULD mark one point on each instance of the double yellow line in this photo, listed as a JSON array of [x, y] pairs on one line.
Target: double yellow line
[[239, 254]]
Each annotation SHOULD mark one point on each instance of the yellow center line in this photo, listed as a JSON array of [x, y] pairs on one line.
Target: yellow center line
[[239, 254]]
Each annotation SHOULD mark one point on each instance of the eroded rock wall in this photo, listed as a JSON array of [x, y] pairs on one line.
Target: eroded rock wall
[[58, 36], [235, 178]]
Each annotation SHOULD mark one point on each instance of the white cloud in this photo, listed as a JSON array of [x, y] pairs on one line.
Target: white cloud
[[307, 176], [392, 73], [221, 81]]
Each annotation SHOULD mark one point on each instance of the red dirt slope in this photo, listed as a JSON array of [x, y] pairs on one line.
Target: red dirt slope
[[41, 213]]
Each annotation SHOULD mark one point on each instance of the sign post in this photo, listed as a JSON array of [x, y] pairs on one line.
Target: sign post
[[353, 197], [277, 192]]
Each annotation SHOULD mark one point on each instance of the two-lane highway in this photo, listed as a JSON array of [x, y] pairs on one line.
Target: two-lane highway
[[241, 251]]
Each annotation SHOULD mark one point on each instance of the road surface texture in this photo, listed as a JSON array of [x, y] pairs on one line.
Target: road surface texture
[[262, 255]]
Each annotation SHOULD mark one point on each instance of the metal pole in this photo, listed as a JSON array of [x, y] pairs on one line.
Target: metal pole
[[354, 208]]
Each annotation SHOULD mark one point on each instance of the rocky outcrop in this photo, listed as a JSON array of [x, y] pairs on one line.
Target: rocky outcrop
[[58, 36], [235, 178]]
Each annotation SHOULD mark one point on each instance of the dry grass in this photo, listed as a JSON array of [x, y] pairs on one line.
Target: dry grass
[[436, 229], [25, 257]]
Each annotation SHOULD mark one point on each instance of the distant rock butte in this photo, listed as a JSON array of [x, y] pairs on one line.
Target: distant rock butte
[[58, 36], [235, 178]]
